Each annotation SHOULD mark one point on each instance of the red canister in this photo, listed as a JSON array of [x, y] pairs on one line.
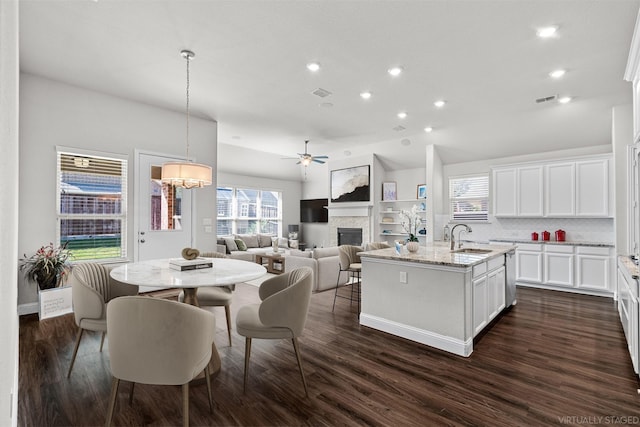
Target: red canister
[[546, 236], [534, 236], [560, 235]]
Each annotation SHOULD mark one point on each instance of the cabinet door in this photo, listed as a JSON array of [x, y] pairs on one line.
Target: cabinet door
[[560, 190], [529, 191], [593, 272], [592, 188], [504, 192], [495, 292], [529, 266], [480, 312], [558, 269]]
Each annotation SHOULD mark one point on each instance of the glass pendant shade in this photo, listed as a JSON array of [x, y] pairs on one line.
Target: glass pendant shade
[[186, 174]]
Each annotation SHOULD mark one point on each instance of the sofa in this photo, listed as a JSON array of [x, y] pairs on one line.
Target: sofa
[[246, 246], [325, 263]]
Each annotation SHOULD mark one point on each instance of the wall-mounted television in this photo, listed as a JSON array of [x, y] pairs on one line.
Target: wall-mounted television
[[314, 210]]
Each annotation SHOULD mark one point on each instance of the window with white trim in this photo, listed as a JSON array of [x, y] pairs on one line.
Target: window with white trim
[[92, 204], [469, 198], [248, 211]]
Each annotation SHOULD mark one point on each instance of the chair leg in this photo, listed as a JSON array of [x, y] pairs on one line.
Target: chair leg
[[297, 350], [104, 334], [335, 295], [247, 354], [207, 374], [185, 404], [112, 400], [227, 312], [133, 386], [75, 351]]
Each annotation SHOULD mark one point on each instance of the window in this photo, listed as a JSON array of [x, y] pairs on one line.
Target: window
[[248, 211], [469, 198], [92, 205]]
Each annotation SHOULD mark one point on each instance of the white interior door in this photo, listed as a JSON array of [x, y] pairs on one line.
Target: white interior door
[[164, 212]]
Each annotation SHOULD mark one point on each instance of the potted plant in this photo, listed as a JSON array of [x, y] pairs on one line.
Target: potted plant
[[410, 223], [48, 267]]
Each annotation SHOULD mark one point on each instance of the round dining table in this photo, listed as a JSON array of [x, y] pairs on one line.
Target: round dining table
[[157, 273]]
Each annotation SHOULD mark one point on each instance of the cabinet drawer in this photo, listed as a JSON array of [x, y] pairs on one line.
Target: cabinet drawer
[[529, 246], [494, 263], [479, 270], [593, 250], [561, 249]]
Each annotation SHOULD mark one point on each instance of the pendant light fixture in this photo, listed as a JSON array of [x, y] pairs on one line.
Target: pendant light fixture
[[187, 174]]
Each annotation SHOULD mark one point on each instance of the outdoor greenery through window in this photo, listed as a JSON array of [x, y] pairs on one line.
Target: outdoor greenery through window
[[469, 198], [248, 211], [92, 205]]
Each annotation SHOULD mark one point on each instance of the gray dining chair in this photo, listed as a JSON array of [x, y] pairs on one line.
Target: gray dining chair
[[215, 296], [160, 342], [91, 289], [281, 314], [351, 264]]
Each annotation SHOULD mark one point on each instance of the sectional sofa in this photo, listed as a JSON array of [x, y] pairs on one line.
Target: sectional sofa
[[251, 245]]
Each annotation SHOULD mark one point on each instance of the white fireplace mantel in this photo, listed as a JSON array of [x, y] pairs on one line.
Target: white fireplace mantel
[[349, 210]]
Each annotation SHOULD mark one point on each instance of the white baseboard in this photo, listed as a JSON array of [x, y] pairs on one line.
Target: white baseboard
[[442, 342], [28, 308]]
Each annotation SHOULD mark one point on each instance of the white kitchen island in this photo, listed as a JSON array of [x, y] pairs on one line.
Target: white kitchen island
[[435, 296]]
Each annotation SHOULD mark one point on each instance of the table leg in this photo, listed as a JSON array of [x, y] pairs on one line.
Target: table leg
[[191, 297]]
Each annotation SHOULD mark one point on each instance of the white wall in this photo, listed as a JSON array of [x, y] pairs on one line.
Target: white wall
[[291, 193], [622, 137], [54, 113], [9, 119]]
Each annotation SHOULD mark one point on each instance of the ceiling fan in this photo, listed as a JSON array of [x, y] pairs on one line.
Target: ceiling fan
[[306, 158]]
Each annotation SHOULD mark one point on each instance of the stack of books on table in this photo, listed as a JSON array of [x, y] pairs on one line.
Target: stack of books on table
[[182, 264]]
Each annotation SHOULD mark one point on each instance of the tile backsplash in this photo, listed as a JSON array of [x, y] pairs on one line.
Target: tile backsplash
[[599, 230]]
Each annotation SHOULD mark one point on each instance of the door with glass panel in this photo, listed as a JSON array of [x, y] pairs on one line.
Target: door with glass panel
[[164, 212]]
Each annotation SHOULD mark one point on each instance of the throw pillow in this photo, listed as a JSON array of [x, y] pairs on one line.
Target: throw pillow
[[251, 240], [264, 240], [283, 242], [241, 245], [231, 244]]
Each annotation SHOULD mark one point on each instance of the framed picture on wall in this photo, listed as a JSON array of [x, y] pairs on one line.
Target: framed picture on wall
[[389, 191], [350, 184], [422, 191]]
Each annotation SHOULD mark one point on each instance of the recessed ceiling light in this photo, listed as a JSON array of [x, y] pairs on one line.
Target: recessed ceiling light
[[556, 74], [326, 105], [313, 66], [546, 32], [440, 103], [405, 142], [402, 115], [564, 99], [395, 71], [428, 129], [365, 95]]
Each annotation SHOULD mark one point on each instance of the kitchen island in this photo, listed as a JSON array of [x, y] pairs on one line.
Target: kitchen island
[[436, 296]]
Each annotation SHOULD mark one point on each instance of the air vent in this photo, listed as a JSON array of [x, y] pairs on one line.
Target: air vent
[[546, 99], [399, 128], [322, 93]]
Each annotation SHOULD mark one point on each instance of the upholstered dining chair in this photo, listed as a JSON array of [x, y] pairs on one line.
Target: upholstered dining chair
[[215, 296], [159, 342], [372, 246], [281, 314], [351, 264], [91, 289]]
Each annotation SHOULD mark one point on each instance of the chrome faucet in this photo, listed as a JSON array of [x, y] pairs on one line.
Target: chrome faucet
[[453, 243]]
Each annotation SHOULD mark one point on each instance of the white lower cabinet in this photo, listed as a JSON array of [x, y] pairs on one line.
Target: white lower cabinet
[[556, 266], [628, 311], [489, 282]]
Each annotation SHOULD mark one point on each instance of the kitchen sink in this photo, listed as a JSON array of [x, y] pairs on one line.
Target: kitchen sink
[[471, 251]]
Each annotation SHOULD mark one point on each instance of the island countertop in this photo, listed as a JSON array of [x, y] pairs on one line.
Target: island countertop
[[439, 253]]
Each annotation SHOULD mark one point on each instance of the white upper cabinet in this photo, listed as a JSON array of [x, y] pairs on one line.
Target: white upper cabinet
[[579, 188], [560, 187]]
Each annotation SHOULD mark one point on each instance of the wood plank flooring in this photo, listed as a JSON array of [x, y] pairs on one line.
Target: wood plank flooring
[[553, 359]]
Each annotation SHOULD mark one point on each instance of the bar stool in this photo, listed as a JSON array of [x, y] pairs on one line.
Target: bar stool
[[349, 263]]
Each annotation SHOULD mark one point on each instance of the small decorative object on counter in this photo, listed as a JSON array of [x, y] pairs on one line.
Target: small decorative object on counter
[[190, 253], [534, 236], [546, 236], [398, 247], [446, 233], [560, 235], [413, 246]]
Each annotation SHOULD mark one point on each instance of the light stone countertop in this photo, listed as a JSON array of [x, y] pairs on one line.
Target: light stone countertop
[[553, 242], [438, 253], [631, 267]]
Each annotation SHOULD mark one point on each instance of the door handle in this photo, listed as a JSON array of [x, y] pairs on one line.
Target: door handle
[[142, 233], [142, 240]]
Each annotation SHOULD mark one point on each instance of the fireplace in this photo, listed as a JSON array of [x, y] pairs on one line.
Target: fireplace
[[349, 236]]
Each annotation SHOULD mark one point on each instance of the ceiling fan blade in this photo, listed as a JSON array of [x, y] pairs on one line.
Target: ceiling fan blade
[[318, 161], [320, 157], [298, 162]]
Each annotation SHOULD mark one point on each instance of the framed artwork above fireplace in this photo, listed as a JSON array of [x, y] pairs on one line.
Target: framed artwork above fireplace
[[350, 184]]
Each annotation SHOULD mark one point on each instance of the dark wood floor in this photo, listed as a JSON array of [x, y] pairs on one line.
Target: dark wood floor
[[555, 358]]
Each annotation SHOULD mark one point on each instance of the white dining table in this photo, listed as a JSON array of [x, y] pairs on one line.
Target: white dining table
[[157, 274]]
